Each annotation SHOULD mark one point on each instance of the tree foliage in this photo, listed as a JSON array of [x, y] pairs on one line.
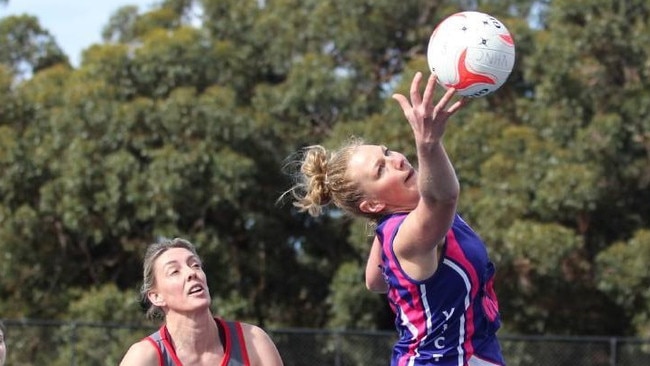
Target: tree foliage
[[26, 46], [181, 125]]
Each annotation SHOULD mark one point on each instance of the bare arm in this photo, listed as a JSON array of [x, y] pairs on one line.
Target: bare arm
[[261, 349], [374, 276], [141, 354], [426, 226]]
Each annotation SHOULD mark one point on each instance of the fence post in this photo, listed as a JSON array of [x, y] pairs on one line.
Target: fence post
[[337, 358], [613, 348], [73, 340]]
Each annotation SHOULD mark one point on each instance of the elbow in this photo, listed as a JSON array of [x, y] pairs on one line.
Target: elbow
[[447, 202], [370, 286], [449, 196], [453, 200], [453, 195], [377, 286]]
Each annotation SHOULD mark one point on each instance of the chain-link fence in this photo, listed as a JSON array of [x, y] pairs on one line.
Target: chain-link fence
[[35, 342]]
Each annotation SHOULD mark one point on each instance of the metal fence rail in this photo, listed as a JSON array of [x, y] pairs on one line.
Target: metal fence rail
[[57, 343]]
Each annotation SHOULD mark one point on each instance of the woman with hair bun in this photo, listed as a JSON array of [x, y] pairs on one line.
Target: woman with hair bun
[[433, 267]]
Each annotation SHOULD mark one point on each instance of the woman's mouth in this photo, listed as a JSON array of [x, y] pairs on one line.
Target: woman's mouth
[[410, 174], [195, 289]]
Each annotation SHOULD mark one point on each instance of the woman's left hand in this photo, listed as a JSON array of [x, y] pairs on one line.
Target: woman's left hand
[[428, 121]]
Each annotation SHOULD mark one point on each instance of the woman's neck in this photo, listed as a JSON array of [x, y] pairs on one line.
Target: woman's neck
[[193, 332]]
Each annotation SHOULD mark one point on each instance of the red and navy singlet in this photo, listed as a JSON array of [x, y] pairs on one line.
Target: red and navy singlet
[[450, 318], [231, 335]]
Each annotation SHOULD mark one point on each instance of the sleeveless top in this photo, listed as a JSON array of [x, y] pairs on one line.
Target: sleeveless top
[[231, 335], [450, 318]]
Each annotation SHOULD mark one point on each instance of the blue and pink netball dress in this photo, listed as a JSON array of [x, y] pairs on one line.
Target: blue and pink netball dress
[[450, 318]]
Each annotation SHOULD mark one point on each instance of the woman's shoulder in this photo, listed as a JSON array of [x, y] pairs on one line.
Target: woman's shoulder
[[252, 330], [141, 353], [260, 347], [252, 333]]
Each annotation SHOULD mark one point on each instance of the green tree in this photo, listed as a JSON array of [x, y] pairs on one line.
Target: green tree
[[173, 127], [26, 47]]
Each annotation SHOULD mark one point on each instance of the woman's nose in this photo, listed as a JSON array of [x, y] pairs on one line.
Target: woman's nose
[[397, 162], [191, 274]]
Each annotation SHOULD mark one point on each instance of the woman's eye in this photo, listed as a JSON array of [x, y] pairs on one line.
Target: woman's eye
[[382, 168]]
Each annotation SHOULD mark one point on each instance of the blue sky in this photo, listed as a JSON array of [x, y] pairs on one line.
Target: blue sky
[[75, 24]]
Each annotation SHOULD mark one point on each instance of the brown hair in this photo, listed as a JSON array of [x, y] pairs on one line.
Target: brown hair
[[323, 179], [149, 280]]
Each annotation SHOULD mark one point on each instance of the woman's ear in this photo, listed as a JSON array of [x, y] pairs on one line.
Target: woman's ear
[[371, 206], [155, 298]]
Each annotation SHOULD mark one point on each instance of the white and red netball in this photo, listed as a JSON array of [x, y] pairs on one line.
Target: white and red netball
[[472, 52]]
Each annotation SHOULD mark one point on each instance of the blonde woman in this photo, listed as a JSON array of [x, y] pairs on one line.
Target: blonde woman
[[434, 269]]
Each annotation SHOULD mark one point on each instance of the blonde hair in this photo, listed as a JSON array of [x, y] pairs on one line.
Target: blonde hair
[[322, 179], [154, 251]]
